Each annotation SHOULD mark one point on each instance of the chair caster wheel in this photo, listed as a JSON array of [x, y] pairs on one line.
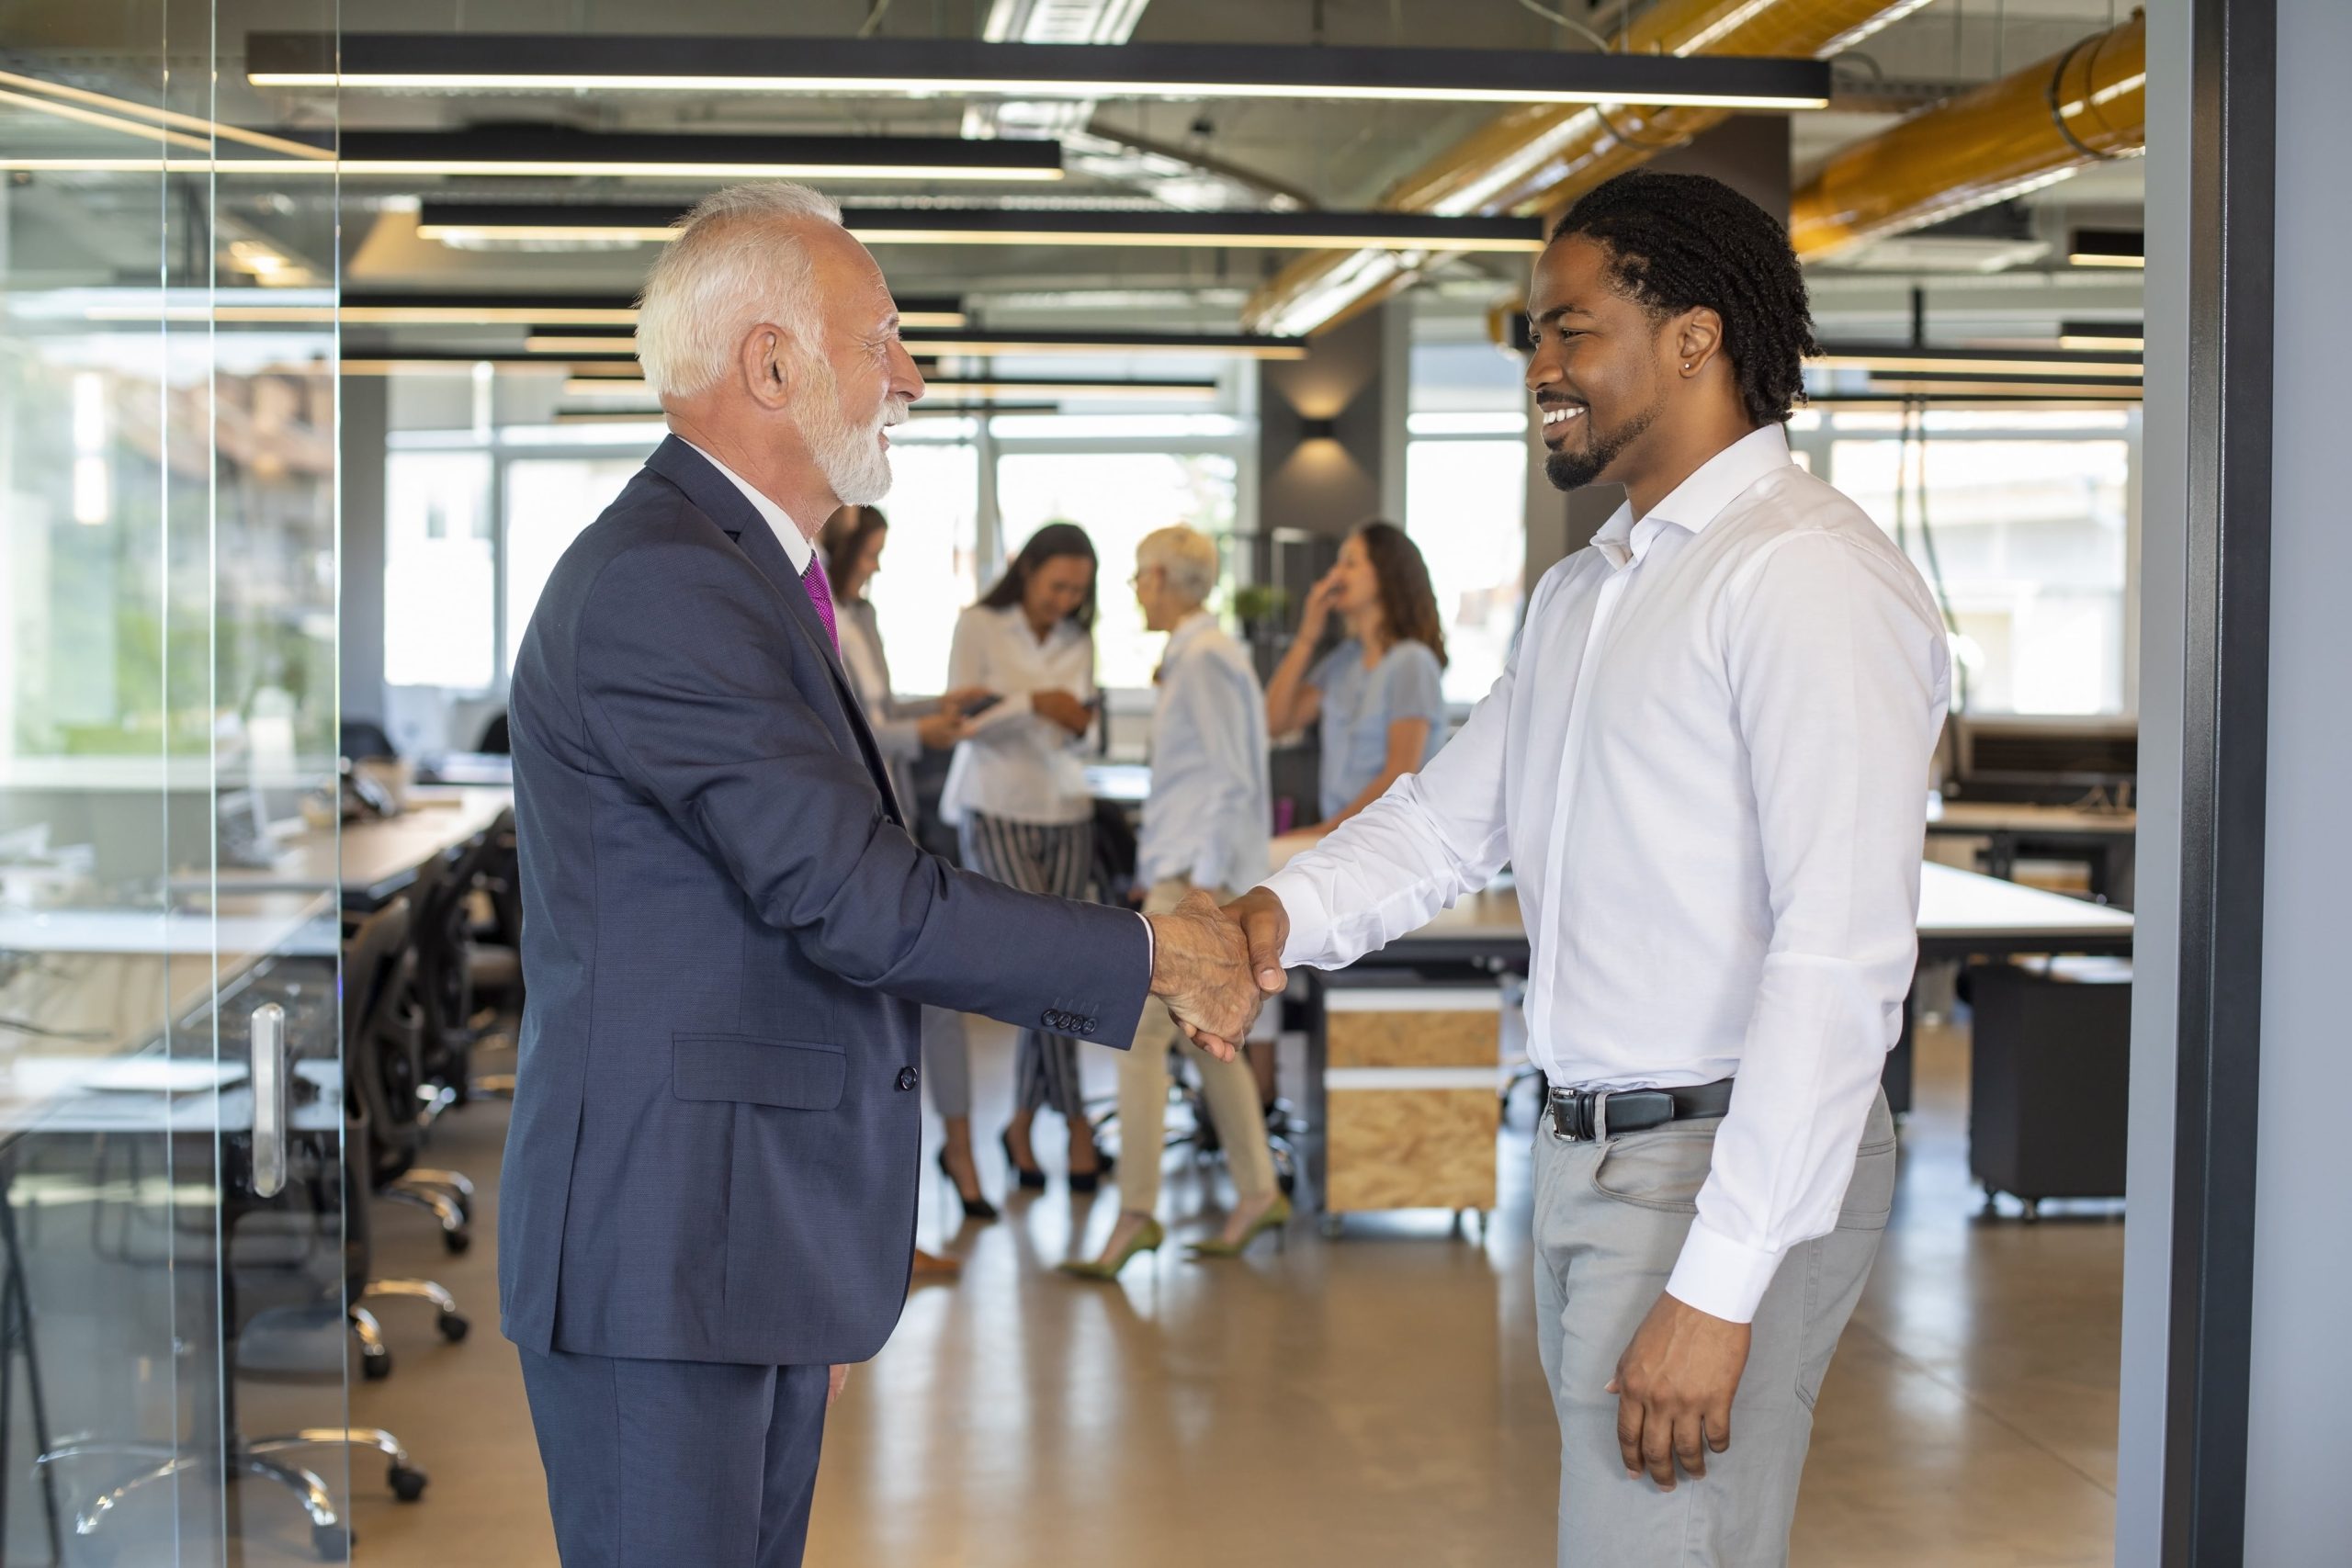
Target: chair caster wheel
[[454, 1327], [408, 1484], [376, 1366], [331, 1542], [456, 1242]]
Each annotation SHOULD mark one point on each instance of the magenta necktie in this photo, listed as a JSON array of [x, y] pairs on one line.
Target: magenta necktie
[[820, 595]]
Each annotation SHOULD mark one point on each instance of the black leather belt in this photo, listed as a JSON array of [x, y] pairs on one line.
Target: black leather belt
[[1583, 1116]]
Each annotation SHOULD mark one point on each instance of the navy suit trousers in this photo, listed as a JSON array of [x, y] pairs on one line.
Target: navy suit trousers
[[662, 1464]]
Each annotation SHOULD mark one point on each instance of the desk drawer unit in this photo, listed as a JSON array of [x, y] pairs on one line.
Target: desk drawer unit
[[1410, 1111]]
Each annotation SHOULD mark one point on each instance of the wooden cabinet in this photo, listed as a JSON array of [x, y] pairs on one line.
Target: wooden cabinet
[[1409, 1107]]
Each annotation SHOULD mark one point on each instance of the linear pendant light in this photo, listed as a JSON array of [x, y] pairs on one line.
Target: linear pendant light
[[1900, 359], [938, 387], [563, 152], [958, 67], [2107, 247], [615, 311], [464, 223]]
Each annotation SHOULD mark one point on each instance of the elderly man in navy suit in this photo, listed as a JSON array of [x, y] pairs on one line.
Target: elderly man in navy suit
[[709, 1188]]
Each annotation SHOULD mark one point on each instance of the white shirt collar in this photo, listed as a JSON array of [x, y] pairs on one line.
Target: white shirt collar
[[1185, 631], [1699, 500], [787, 533]]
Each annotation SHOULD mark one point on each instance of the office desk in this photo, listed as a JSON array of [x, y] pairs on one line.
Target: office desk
[[1961, 914], [2103, 841]]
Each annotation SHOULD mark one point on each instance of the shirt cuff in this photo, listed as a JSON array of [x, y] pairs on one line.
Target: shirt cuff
[[1150, 948], [1721, 1276], [1310, 922]]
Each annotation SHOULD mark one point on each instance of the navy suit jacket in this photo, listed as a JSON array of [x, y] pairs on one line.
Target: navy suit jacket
[[726, 934]]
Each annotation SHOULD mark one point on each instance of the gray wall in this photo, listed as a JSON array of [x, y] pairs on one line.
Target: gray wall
[[365, 423], [2299, 1505], [1326, 486]]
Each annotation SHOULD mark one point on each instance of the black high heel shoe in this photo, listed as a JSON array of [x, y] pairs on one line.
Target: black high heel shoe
[[1105, 1162], [973, 1208], [1031, 1178]]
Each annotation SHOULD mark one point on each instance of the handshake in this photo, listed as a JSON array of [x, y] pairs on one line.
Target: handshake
[[1214, 967]]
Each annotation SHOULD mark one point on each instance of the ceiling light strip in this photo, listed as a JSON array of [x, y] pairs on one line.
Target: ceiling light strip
[[962, 67]]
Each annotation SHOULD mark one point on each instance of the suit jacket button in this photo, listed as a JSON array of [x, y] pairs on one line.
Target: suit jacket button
[[1086, 1026], [907, 1078], [1048, 1020]]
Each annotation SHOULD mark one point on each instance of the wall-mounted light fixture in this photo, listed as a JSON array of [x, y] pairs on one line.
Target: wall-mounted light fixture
[[1318, 430]]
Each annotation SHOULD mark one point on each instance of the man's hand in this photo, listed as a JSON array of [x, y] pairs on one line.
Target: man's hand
[[1062, 708], [835, 1382], [1265, 926], [1200, 966], [1674, 1387]]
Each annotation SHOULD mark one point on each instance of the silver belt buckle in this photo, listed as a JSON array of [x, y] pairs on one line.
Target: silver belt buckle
[[1600, 1117]]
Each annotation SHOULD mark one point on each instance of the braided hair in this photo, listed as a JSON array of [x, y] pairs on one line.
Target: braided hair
[[1677, 242]]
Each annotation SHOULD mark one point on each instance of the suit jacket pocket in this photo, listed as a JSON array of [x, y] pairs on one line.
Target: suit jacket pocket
[[793, 1074]]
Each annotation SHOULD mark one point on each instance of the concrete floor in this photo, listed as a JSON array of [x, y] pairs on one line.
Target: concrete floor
[[1370, 1401]]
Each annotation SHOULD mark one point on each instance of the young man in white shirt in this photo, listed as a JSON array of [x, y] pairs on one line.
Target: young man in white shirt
[[1706, 764]]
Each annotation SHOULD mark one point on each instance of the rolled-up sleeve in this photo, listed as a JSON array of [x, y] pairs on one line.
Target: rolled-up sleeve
[[1839, 676]]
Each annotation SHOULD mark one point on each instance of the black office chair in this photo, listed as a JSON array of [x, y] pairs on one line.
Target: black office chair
[[359, 738], [396, 1093], [493, 740], [373, 958]]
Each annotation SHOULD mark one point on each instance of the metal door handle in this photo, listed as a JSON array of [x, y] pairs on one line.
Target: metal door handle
[[270, 1100]]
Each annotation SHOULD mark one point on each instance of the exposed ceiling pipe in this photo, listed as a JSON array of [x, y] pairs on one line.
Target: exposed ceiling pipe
[[1537, 158], [2085, 106]]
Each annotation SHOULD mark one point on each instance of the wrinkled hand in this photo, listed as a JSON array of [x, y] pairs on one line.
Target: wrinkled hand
[[1674, 1387], [1200, 966], [1265, 926], [836, 1381], [1062, 708], [940, 730]]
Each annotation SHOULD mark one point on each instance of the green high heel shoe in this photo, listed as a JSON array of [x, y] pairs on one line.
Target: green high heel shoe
[[1276, 1216], [1145, 1240]]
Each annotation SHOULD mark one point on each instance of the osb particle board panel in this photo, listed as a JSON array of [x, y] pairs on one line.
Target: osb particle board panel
[[1410, 1149], [1412, 1039]]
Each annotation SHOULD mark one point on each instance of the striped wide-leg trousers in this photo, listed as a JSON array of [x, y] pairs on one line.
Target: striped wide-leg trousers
[[1036, 857]]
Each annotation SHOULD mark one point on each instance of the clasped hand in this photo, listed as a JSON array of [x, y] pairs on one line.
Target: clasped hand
[[1214, 967]]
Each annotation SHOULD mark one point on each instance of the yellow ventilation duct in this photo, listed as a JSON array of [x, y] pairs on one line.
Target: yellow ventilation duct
[[2085, 106], [1540, 157]]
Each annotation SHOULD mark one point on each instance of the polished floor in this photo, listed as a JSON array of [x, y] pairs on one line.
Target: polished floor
[[1369, 1402]]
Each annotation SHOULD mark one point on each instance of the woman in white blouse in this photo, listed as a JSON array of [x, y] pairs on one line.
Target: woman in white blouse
[[1017, 790], [853, 542]]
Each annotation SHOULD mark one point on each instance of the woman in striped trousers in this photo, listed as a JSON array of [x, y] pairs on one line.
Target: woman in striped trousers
[[1017, 790]]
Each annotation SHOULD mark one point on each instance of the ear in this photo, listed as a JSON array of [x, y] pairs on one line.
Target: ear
[[1696, 336], [765, 366]]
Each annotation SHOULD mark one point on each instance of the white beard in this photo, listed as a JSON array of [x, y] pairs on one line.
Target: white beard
[[855, 463]]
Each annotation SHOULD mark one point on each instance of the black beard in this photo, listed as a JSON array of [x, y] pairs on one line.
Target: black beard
[[1572, 471]]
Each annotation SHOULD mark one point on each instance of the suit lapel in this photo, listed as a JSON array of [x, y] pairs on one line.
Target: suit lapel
[[716, 496]]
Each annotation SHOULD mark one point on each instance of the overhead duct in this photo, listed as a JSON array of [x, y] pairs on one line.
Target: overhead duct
[[1538, 158], [2086, 106]]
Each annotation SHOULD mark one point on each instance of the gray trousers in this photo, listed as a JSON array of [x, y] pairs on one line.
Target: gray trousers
[[1609, 1221], [1055, 858], [659, 1465]]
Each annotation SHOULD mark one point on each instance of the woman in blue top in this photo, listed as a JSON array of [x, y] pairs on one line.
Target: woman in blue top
[[1376, 695]]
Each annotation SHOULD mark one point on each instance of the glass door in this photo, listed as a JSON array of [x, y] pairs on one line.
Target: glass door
[[174, 1265]]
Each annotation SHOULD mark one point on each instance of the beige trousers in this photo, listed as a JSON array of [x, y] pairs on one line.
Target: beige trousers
[[1143, 1096]]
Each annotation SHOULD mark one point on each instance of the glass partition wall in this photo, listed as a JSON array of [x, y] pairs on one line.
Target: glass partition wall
[[172, 1284]]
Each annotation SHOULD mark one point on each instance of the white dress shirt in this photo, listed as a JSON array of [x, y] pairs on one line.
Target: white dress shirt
[[1210, 813], [1019, 764], [795, 543], [1706, 762]]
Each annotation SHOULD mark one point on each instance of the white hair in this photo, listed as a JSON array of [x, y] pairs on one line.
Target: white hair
[[1186, 557], [740, 259]]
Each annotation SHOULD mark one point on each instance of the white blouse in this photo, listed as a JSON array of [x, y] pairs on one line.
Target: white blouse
[[1018, 765]]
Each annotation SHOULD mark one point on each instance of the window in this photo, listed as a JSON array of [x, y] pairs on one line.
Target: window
[[930, 568], [549, 502], [1466, 506], [1118, 497], [2026, 538], [439, 576], [1465, 488]]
